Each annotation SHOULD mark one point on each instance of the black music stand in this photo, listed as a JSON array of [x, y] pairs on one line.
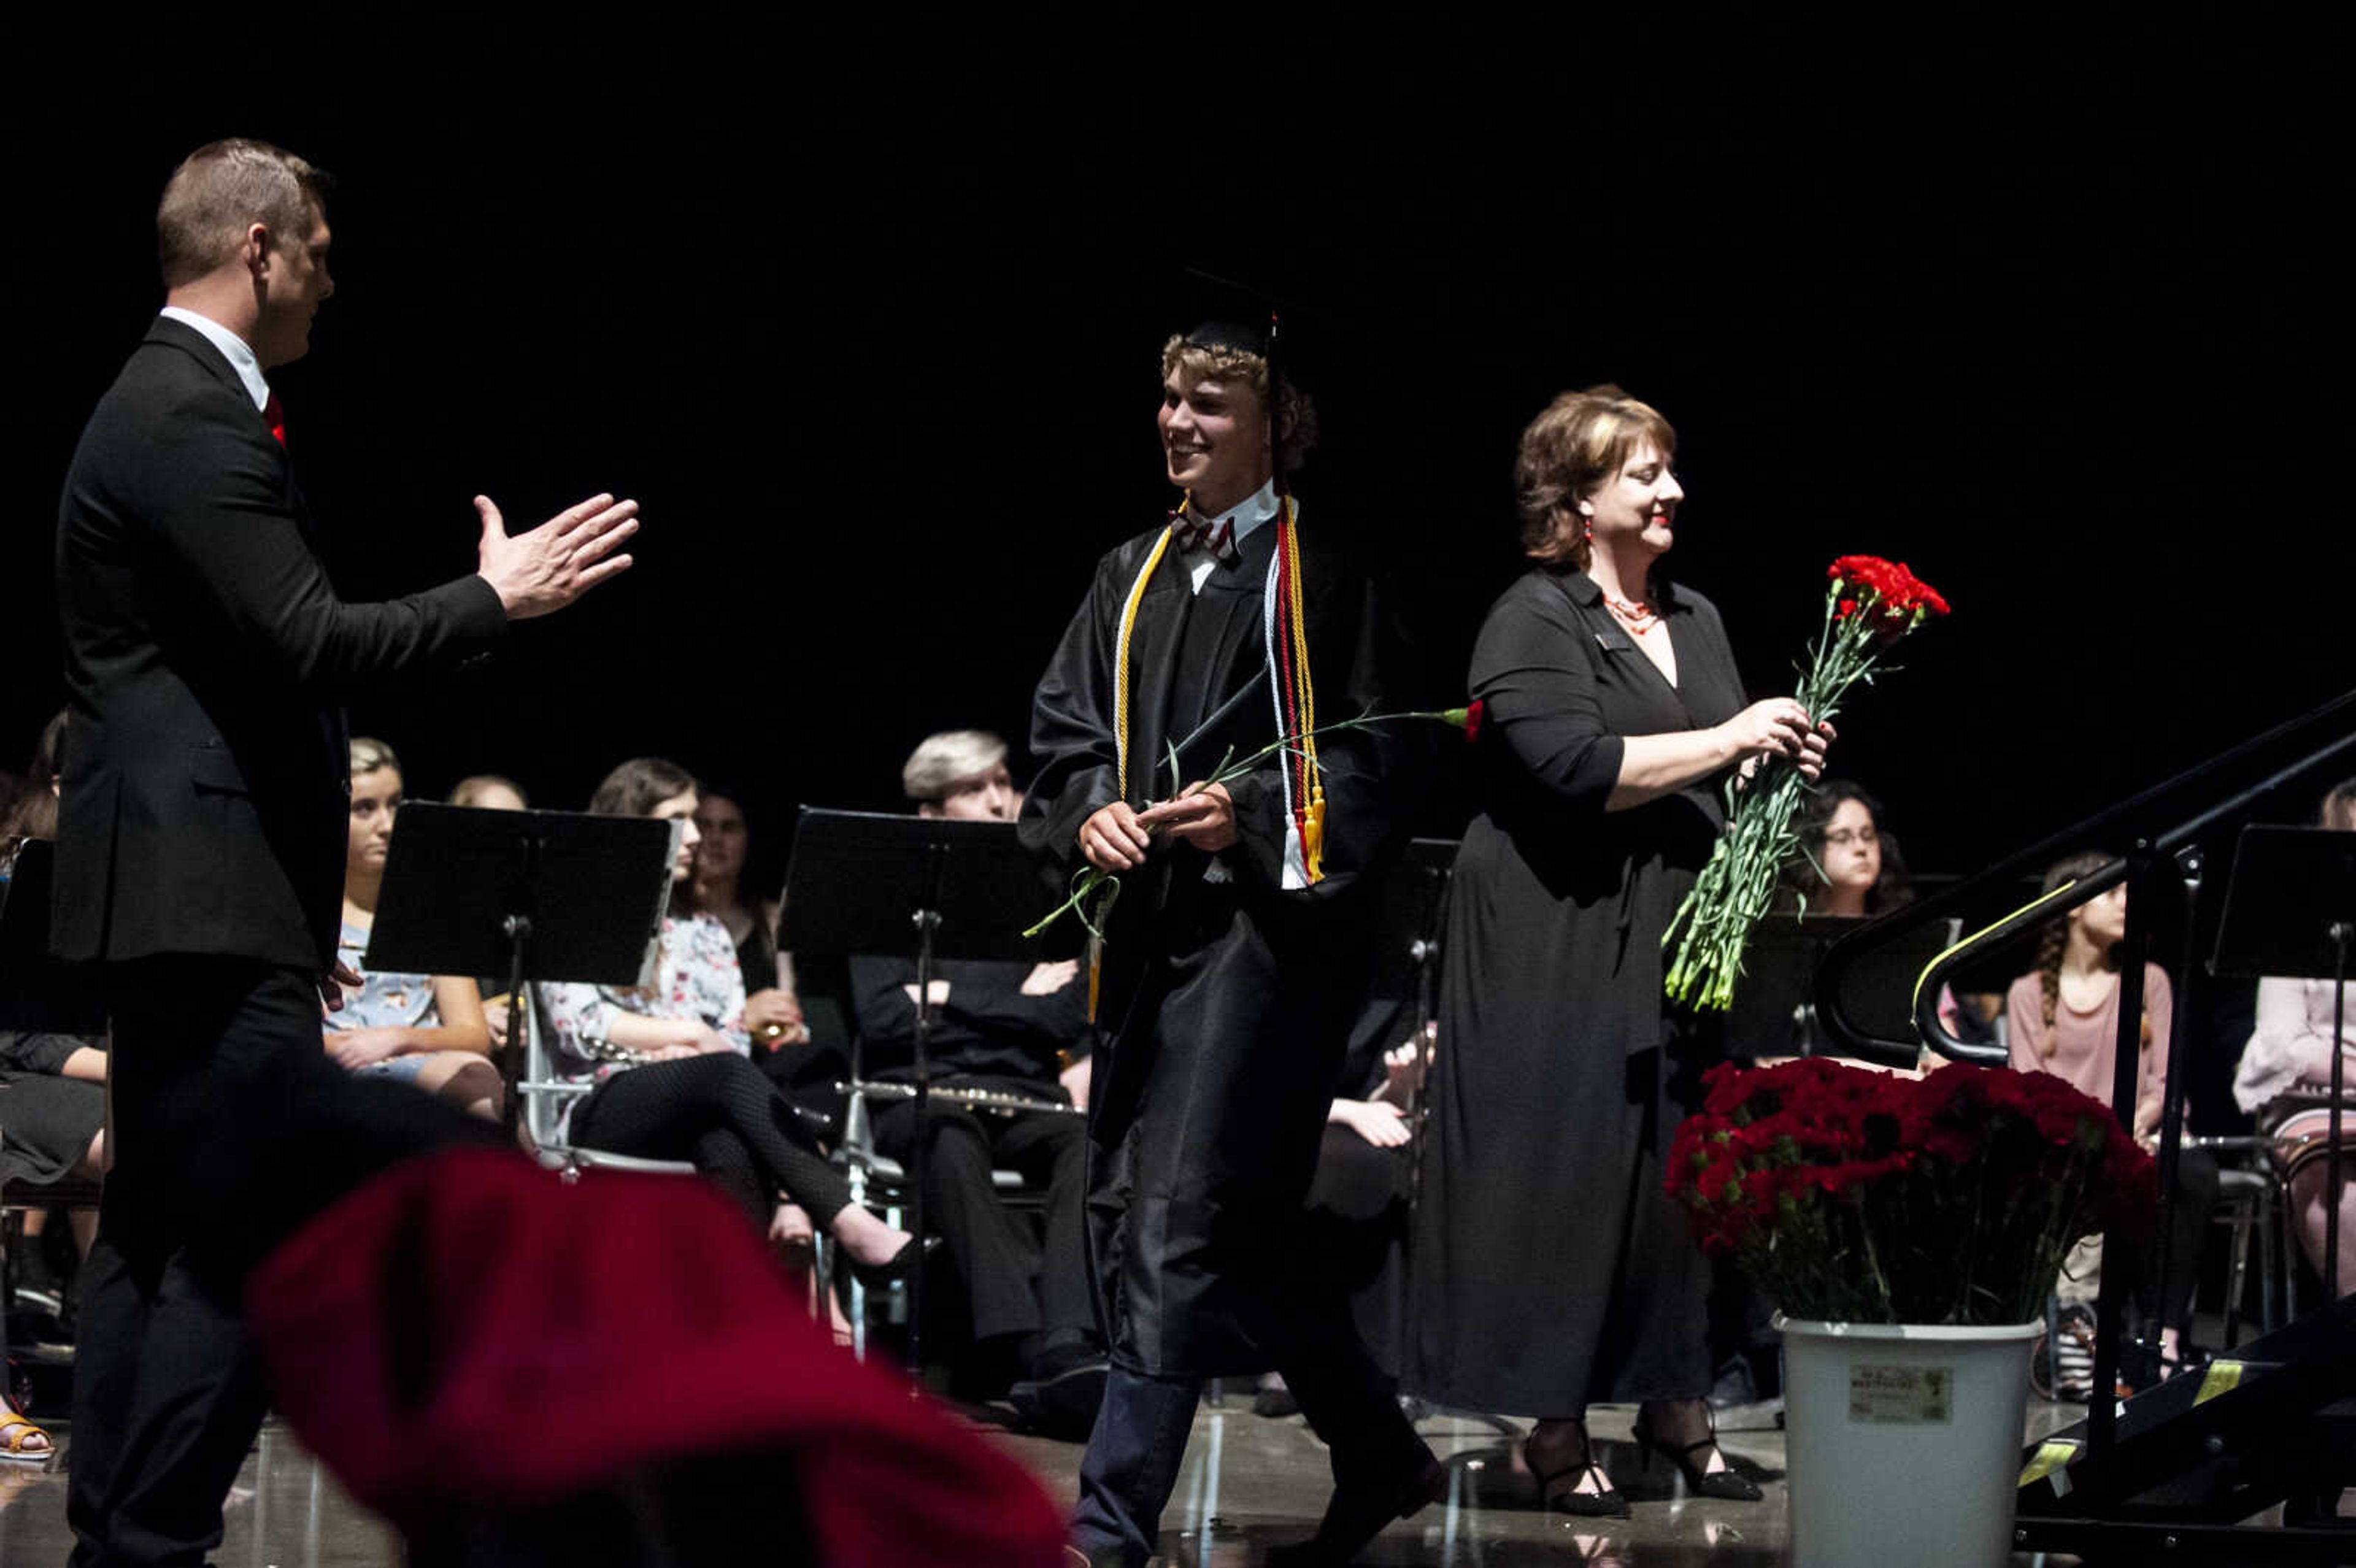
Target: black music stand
[[2290, 910], [39, 994], [918, 887], [535, 895]]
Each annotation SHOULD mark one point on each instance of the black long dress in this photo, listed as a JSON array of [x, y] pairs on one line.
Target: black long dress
[[1550, 1270], [1226, 995]]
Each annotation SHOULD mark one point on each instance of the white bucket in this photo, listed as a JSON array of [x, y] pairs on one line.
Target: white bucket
[[1904, 1442]]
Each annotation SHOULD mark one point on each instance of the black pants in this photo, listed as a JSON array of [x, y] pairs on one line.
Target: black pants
[[1016, 1285], [719, 1113], [230, 1126]]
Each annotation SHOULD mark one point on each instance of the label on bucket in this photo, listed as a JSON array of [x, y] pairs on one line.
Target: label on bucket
[[1902, 1396]]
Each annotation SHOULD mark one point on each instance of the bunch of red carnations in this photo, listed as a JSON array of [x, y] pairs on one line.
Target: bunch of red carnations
[[1852, 1195], [1869, 604]]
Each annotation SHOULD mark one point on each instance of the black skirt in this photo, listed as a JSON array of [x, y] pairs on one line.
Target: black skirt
[[46, 1125]]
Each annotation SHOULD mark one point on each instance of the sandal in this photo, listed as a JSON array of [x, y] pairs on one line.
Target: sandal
[[1559, 1489], [14, 1433]]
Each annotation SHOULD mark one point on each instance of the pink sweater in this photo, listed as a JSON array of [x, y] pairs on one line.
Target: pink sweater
[[2085, 1045]]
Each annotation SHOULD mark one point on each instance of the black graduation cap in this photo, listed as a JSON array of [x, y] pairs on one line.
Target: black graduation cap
[[1241, 318]]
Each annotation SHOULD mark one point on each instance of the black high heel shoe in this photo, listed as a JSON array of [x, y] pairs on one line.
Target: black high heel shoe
[[900, 1265], [1726, 1485], [1559, 1489]]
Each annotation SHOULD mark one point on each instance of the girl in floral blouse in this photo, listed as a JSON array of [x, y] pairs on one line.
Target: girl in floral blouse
[[671, 1067]]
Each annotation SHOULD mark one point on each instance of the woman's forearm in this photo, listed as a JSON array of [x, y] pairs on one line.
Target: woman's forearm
[[86, 1064], [1654, 766], [637, 1031]]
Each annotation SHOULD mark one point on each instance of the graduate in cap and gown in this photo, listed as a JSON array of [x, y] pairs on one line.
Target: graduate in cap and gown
[[1227, 971]]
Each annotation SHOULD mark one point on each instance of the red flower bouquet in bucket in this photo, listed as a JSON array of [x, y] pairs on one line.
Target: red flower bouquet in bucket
[[1858, 1196], [1869, 604]]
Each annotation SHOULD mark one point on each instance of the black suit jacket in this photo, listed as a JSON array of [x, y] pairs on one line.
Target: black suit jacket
[[205, 772]]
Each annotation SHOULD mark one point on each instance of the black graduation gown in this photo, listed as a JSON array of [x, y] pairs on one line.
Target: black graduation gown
[[1226, 996], [1551, 1270]]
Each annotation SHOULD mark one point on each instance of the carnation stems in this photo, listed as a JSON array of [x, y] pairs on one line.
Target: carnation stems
[[1712, 926], [1088, 880]]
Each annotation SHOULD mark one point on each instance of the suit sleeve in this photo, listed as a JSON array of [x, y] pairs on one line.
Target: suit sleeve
[[217, 499]]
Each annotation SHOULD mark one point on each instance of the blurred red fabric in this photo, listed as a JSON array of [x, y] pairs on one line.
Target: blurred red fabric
[[469, 1330]]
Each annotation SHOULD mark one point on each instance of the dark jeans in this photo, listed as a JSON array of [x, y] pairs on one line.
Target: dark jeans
[[229, 1128], [1130, 1466]]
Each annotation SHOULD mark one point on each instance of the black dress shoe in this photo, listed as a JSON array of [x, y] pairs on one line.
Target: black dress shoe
[[1062, 1401], [1359, 1511], [902, 1265]]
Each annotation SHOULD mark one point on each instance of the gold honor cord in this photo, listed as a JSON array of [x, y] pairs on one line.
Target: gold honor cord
[[1121, 720], [1312, 776]]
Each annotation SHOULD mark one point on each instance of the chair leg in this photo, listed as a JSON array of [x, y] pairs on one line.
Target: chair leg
[[2237, 1276], [2269, 1313]]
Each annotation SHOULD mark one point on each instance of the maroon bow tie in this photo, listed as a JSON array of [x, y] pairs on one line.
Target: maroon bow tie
[[276, 414], [1215, 539]]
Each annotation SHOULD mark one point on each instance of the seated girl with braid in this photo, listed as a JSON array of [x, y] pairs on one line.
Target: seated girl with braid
[[671, 1067]]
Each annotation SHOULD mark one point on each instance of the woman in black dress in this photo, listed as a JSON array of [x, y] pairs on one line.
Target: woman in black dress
[[1550, 1269]]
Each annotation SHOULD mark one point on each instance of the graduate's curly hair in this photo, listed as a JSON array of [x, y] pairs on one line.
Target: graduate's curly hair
[[1576, 442], [2339, 808], [1296, 411]]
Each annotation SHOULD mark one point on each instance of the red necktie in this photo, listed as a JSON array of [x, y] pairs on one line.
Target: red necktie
[[276, 414]]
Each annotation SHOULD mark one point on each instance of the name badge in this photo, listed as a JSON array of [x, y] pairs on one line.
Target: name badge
[[1615, 642]]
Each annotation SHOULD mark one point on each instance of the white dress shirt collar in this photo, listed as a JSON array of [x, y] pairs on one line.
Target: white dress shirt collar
[[1246, 515], [240, 356]]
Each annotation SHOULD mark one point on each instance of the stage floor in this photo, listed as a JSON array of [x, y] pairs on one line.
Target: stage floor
[[1249, 1483]]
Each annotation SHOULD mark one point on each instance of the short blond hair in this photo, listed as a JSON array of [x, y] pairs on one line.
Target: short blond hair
[[219, 190], [368, 754], [1573, 446], [942, 759]]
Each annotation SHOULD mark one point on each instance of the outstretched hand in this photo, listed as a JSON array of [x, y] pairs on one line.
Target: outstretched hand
[[539, 573]]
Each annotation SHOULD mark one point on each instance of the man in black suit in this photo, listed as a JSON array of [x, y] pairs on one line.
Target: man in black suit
[[201, 841]]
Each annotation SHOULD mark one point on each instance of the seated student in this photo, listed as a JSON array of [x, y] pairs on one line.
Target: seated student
[[1010, 1027], [671, 1064], [1357, 1199], [2062, 1019], [53, 1088], [2285, 1079], [488, 792], [1848, 864], [773, 1014], [422, 1029]]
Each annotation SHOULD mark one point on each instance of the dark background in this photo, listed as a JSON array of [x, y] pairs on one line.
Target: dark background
[[868, 317]]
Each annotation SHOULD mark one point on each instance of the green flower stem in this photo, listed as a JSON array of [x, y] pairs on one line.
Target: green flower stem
[[1706, 938], [1088, 880]]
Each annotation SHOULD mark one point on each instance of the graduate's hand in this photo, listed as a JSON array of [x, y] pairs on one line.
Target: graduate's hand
[[1202, 816], [1113, 839], [1046, 979]]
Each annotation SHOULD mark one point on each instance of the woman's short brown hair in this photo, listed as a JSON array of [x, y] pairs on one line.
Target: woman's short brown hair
[[1579, 442]]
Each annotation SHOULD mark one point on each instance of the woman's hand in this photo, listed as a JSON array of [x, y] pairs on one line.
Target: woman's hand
[[773, 1017], [1779, 727], [355, 1049], [1112, 839], [1378, 1123], [1201, 815]]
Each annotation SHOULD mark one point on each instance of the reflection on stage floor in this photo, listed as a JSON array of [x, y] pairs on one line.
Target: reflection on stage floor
[[1249, 1483]]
